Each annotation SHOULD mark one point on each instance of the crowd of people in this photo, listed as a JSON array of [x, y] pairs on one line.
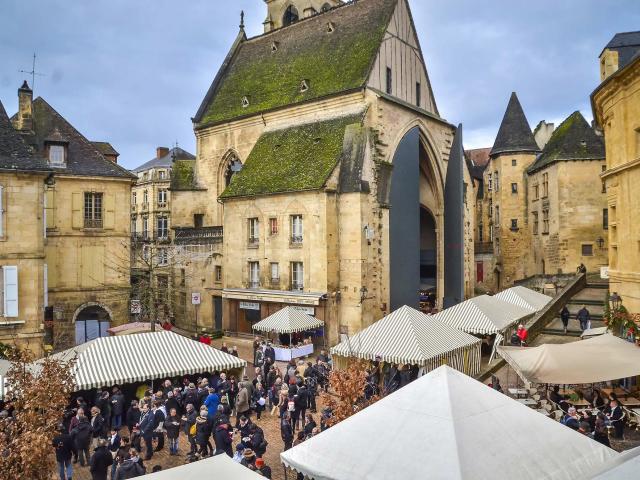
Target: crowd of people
[[595, 420], [217, 414]]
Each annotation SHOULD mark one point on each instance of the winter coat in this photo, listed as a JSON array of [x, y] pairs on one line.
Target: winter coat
[[158, 418], [63, 444], [133, 416], [285, 431], [82, 435], [270, 353], [202, 430], [117, 404], [115, 444], [223, 440], [173, 403], [100, 461], [130, 469], [301, 398], [242, 401], [211, 402], [146, 424], [191, 419], [172, 426], [97, 426], [191, 397]]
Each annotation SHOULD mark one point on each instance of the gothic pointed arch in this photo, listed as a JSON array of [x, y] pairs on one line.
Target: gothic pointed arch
[[229, 167], [290, 16]]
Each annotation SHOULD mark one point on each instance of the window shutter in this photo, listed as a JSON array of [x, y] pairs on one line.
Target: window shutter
[[109, 211], [45, 285], [10, 276], [50, 206], [76, 207]]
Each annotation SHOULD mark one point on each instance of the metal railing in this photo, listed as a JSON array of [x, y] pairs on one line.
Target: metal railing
[[202, 235], [483, 247]]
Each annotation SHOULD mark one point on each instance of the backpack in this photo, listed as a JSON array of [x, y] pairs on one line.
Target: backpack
[[291, 406], [192, 430]]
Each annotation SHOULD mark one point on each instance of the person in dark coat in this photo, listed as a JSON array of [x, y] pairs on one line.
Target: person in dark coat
[[564, 316], [114, 440], [172, 426], [172, 403], [302, 398], [63, 443], [117, 407], [133, 416], [100, 461], [82, 439], [309, 425], [203, 432], [146, 430], [286, 432], [120, 456], [132, 467], [223, 440], [104, 404], [617, 418], [97, 426], [264, 470], [257, 441], [158, 424], [188, 420], [584, 317], [191, 396], [270, 353]]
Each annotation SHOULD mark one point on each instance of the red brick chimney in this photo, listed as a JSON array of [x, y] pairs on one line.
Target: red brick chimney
[[162, 152]]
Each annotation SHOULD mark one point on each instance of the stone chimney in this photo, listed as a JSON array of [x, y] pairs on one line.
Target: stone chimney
[[542, 133], [162, 152], [24, 122]]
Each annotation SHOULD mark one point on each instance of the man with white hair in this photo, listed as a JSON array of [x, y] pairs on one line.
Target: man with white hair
[[571, 419]]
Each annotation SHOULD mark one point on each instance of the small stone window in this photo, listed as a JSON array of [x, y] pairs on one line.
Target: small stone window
[[245, 102], [274, 47], [304, 86], [587, 250], [330, 27]]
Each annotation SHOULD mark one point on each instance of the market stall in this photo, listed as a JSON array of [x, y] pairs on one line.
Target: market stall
[[593, 360], [524, 297], [408, 336], [288, 321], [623, 467], [466, 430], [126, 359], [220, 467]]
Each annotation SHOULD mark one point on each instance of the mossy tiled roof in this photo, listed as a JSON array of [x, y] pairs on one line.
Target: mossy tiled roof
[[514, 135], [331, 62], [574, 139], [291, 160]]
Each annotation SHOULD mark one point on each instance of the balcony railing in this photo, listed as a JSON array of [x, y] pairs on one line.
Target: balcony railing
[[92, 223], [198, 236], [483, 247]]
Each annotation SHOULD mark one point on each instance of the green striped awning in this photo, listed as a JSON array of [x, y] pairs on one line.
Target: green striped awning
[[144, 356], [288, 320]]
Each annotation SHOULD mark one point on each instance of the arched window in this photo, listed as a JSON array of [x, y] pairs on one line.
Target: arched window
[[233, 166], [290, 16]]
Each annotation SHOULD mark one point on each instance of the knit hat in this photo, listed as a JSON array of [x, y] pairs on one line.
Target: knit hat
[[259, 463]]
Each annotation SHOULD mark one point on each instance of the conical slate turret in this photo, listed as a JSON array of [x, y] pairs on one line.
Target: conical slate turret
[[514, 135]]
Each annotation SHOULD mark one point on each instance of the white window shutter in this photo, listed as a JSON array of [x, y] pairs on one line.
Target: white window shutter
[[10, 274], [46, 285]]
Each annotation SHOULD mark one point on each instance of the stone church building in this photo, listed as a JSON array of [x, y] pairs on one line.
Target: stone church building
[[323, 158]]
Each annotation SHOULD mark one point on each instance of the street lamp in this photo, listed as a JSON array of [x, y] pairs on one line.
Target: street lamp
[[616, 301], [600, 242]]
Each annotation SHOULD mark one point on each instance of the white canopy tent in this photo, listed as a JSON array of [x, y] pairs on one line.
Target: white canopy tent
[[134, 358], [464, 430], [626, 466], [596, 359], [483, 315], [288, 320], [411, 337], [220, 467], [524, 297]]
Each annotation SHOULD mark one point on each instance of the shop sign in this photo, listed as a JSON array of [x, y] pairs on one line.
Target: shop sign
[[136, 307], [249, 306], [604, 273], [308, 310]]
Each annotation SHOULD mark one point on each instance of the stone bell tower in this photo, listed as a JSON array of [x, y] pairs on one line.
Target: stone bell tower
[[282, 13]]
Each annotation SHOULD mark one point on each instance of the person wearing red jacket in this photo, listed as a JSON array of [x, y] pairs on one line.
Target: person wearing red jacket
[[523, 334]]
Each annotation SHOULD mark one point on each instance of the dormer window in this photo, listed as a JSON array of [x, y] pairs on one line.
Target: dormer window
[[274, 47], [57, 155], [304, 86], [245, 102], [330, 27]]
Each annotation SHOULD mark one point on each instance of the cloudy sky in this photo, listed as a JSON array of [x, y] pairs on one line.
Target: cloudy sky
[[134, 72]]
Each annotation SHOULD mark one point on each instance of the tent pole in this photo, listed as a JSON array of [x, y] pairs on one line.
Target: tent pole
[[285, 472]]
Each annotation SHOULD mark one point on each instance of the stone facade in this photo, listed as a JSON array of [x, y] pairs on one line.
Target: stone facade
[[616, 106], [331, 239]]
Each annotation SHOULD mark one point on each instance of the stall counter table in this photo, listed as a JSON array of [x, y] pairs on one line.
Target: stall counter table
[[286, 354]]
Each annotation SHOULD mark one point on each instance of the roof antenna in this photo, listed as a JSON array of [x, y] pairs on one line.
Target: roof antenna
[[242, 20], [33, 73]]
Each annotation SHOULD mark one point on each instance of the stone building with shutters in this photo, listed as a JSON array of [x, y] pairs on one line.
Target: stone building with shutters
[[321, 172], [616, 108], [82, 224]]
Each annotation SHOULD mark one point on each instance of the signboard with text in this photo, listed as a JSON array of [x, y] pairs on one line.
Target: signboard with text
[[136, 307], [195, 299], [249, 306], [604, 272], [308, 310]]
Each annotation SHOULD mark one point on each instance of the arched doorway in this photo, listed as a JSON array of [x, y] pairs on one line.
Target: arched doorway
[[92, 321], [415, 234]]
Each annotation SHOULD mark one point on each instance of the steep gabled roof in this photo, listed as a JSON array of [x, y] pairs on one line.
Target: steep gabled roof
[[294, 159], [83, 158], [269, 69], [514, 135], [574, 139], [105, 148], [14, 152], [477, 160], [175, 153]]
